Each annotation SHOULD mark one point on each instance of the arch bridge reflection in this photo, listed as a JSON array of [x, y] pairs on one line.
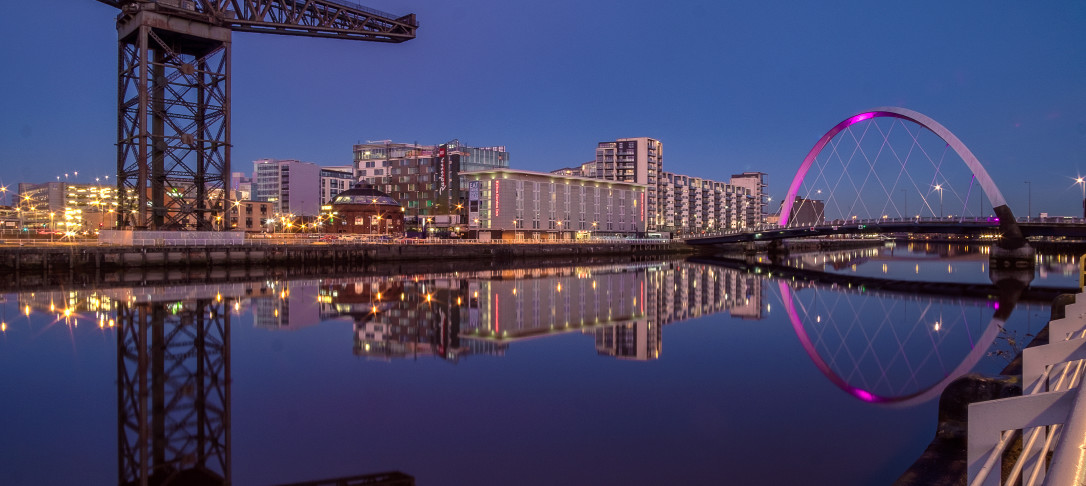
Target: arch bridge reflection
[[893, 341]]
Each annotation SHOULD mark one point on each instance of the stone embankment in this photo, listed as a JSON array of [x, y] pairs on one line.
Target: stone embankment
[[95, 258]]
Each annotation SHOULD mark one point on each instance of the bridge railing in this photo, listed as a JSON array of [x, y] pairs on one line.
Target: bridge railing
[[855, 222], [1050, 416]]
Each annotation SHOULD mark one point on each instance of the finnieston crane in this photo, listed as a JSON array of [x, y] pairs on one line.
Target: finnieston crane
[[173, 96]]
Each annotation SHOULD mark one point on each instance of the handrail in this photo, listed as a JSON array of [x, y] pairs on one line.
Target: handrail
[[1069, 457], [1064, 438]]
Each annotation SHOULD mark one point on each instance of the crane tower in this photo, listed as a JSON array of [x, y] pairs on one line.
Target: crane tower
[[173, 96]]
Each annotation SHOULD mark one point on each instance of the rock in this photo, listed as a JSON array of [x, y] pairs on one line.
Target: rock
[[943, 462]]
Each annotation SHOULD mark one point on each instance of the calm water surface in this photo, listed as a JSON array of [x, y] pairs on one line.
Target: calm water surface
[[666, 372]]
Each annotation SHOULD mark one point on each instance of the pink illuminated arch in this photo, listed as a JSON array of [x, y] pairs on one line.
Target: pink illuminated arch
[[985, 182]]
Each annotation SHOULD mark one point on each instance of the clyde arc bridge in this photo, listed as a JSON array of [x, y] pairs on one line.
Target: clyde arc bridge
[[894, 170]]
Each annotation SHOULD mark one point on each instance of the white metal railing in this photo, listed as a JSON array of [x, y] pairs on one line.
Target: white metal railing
[[1050, 414], [947, 220]]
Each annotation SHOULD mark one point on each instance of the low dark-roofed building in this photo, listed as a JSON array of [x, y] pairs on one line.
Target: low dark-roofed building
[[364, 210]]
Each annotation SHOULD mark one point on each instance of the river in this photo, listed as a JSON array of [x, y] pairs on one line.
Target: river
[[806, 370]]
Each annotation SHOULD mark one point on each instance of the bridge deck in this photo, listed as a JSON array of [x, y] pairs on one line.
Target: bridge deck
[[977, 226]]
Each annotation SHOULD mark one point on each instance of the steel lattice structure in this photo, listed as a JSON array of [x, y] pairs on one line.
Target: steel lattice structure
[[173, 130], [173, 392]]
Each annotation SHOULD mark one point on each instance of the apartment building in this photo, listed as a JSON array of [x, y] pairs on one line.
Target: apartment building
[[692, 205], [334, 180], [636, 160]]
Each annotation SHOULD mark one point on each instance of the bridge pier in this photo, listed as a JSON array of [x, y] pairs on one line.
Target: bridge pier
[[1004, 258]]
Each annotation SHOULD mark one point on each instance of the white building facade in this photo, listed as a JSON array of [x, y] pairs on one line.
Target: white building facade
[[512, 204]]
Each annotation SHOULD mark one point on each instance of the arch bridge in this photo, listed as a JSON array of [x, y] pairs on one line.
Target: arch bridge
[[858, 178]]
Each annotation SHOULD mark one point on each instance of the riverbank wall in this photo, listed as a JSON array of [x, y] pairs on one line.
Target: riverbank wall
[[95, 258]]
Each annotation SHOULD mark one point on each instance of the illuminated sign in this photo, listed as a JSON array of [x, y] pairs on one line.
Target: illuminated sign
[[441, 152], [473, 190]]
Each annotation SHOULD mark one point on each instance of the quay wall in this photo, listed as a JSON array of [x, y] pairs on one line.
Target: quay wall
[[75, 257]]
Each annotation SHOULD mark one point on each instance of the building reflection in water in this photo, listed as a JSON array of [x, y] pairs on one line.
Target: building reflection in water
[[893, 342], [467, 313]]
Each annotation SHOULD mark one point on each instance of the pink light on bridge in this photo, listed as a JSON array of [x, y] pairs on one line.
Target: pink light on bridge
[[861, 117], [863, 395]]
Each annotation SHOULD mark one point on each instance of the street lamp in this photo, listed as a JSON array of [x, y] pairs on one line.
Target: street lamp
[[1082, 182], [939, 187]]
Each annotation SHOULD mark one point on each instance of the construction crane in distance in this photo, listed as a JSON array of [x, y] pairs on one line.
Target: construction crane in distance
[[173, 96]]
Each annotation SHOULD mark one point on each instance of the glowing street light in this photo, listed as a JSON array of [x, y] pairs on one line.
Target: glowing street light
[[1082, 182], [939, 187]]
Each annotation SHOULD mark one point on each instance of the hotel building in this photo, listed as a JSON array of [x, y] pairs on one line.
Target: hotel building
[[516, 204], [425, 179]]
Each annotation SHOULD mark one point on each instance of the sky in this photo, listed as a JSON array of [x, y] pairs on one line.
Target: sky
[[726, 86]]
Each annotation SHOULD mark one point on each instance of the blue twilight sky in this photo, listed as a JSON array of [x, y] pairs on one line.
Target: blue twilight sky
[[726, 86]]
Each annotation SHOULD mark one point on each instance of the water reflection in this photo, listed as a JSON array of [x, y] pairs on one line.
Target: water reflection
[[449, 316], [173, 380], [622, 307], [880, 340], [920, 261]]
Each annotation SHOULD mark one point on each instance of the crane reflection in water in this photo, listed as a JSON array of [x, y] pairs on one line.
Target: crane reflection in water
[[881, 341]]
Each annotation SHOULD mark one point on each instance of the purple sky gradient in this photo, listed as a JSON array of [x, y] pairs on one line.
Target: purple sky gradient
[[726, 86]]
